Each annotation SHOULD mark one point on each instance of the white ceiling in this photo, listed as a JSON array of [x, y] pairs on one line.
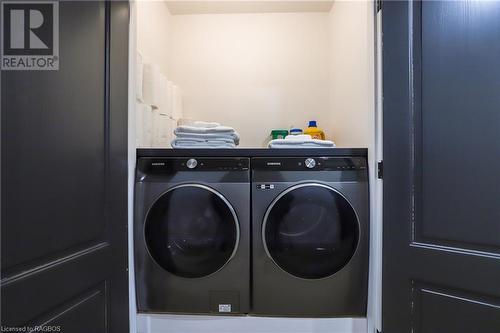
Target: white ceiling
[[187, 7]]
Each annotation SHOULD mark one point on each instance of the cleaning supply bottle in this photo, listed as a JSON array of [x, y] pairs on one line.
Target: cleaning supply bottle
[[314, 131], [296, 131], [279, 133]]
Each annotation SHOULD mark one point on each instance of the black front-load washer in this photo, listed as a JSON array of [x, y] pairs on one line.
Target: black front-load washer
[[192, 235], [310, 236]]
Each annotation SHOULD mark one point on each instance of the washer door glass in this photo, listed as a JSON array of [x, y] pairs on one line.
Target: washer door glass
[[310, 231], [191, 231]]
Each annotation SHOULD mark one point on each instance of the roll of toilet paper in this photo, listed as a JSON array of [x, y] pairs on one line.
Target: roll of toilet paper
[[156, 143], [143, 116], [148, 125], [166, 128], [139, 125], [177, 103], [139, 78], [164, 106], [170, 99], [172, 124], [151, 85]]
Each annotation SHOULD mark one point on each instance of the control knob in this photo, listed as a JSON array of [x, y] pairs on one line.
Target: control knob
[[310, 163], [191, 163]]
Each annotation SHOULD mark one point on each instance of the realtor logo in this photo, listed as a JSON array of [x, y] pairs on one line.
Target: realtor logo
[[30, 35]]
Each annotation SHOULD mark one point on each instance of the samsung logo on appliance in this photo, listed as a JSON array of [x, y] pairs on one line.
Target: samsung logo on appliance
[[273, 163]]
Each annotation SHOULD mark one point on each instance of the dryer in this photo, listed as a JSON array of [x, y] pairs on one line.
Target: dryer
[[192, 235], [310, 236]]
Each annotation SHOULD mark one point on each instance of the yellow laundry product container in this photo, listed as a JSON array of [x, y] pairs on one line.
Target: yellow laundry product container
[[314, 131]]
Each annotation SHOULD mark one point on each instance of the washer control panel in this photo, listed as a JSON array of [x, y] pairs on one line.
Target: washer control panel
[[170, 165]]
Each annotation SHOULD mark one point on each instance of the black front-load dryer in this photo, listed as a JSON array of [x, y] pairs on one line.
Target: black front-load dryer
[[310, 236], [192, 235]]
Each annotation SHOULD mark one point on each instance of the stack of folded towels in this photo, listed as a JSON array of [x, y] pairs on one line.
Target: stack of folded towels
[[300, 141], [200, 134]]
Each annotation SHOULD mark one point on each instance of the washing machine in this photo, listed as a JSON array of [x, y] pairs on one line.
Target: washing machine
[[310, 236], [192, 235]]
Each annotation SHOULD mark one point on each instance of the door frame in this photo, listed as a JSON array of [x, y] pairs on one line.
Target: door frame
[[374, 312], [132, 156]]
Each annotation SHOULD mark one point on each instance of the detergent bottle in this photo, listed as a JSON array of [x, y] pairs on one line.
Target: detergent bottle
[[296, 131], [279, 134], [314, 131]]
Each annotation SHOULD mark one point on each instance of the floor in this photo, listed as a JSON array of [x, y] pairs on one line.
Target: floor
[[247, 324]]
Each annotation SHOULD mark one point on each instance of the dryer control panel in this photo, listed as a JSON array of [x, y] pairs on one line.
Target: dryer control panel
[[309, 164]]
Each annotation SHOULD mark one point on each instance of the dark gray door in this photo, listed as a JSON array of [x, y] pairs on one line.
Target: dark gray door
[[441, 263], [64, 179]]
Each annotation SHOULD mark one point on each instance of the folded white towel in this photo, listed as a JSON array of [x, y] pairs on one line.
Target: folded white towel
[[201, 134], [205, 124], [210, 136], [199, 140], [196, 123], [303, 145], [204, 130], [300, 137], [300, 141], [200, 143]]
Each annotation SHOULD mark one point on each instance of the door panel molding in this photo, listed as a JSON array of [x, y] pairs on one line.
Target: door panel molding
[[78, 275], [467, 37], [424, 238], [460, 296], [64, 179], [458, 250], [74, 304], [38, 269], [443, 309], [417, 163]]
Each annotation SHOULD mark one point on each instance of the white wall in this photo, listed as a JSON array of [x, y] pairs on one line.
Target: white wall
[[153, 33], [352, 73], [254, 72]]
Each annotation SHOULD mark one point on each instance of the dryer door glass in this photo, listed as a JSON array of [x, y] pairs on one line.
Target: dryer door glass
[[311, 231], [191, 231]]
